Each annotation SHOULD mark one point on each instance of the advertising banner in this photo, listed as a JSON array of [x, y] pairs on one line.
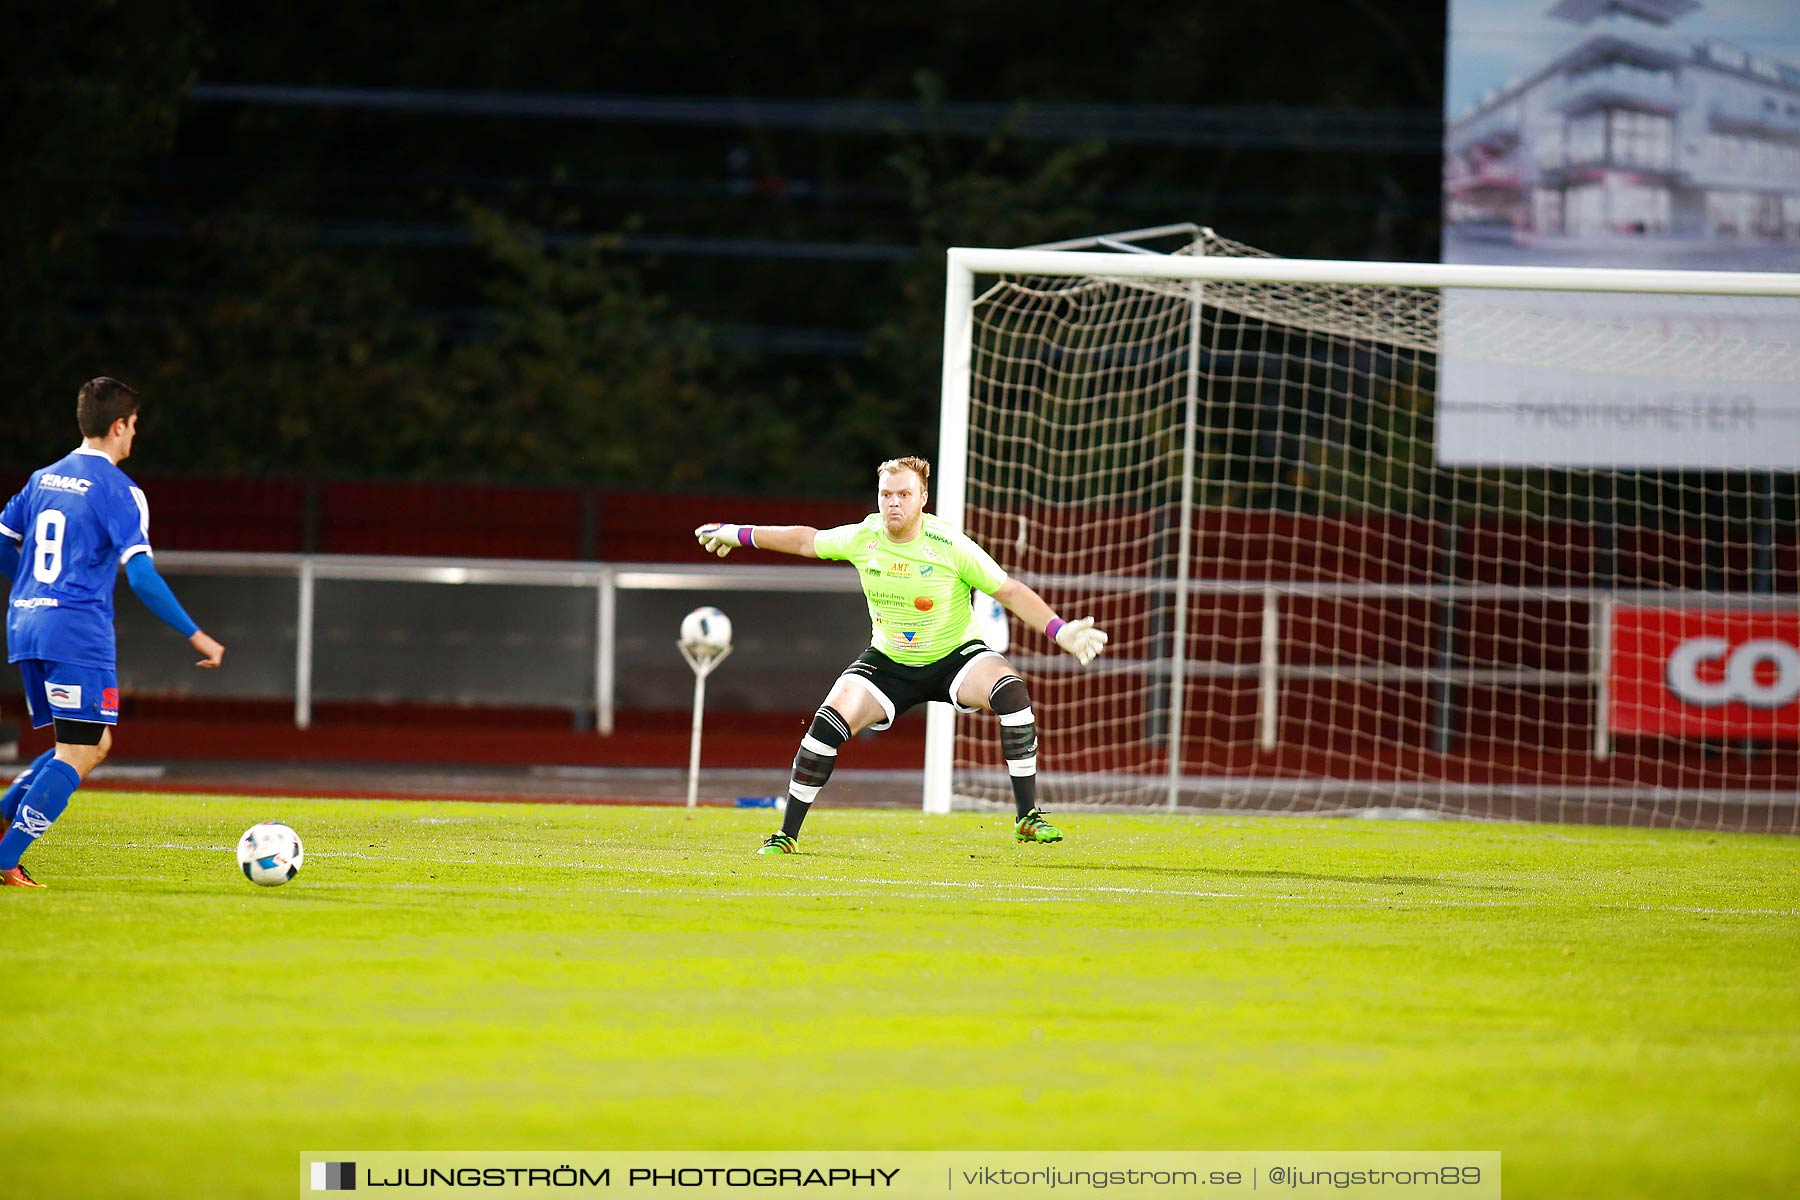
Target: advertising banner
[[1621, 133], [1691, 672]]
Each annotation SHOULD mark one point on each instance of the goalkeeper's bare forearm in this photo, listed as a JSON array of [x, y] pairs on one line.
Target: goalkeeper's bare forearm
[[722, 538], [1025, 604], [1078, 637], [786, 539]]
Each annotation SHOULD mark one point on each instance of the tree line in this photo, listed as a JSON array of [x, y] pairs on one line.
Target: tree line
[[180, 245]]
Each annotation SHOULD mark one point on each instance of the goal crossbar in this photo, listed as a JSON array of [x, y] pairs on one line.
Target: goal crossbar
[[970, 261]]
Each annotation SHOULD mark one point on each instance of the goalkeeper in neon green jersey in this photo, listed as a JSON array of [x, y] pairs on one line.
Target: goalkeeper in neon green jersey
[[918, 574]]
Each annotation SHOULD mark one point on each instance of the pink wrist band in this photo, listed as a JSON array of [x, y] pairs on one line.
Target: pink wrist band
[[1050, 630], [747, 536]]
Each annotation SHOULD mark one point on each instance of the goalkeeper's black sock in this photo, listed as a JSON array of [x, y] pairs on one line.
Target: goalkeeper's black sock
[[795, 815], [1024, 793], [1018, 739], [813, 764]]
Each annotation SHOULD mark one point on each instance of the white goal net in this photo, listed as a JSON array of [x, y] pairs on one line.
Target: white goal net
[[1248, 482]]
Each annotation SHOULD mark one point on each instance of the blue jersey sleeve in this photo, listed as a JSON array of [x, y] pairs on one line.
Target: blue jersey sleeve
[[12, 517], [153, 590], [12, 532], [126, 515]]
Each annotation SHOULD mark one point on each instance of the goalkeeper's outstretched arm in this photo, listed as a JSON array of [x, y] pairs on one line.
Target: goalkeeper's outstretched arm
[[722, 538], [1079, 637]]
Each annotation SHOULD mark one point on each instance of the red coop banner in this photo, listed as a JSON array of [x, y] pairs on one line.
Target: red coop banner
[[1688, 672]]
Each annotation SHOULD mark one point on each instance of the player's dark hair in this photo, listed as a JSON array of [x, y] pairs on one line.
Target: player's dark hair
[[101, 402]]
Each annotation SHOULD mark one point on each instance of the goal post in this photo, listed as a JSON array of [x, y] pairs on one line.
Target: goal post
[[953, 447], [1384, 535]]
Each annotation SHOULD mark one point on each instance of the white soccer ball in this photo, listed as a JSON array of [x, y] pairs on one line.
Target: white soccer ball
[[270, 853], [706, 630]]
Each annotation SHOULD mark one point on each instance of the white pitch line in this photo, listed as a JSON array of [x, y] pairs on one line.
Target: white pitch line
[[1040, 891], [1288, 900]]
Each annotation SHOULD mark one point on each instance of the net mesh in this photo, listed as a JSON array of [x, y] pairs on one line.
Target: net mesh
[[1360, 626]]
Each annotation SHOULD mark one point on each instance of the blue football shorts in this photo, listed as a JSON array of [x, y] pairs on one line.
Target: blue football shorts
[[54, 689]]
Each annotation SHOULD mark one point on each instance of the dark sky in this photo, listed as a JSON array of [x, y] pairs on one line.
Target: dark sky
[[1371, 53]]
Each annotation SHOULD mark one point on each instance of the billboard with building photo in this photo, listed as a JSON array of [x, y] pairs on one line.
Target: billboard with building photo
[[1621, 133]]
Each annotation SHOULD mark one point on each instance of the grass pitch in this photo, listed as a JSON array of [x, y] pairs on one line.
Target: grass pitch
[[1614, 1010]]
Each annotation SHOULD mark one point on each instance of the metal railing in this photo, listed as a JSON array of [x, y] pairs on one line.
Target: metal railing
[[606, 580]]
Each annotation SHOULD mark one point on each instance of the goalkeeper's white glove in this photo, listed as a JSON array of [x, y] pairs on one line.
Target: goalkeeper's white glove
[[722, 538], [1079, 638]]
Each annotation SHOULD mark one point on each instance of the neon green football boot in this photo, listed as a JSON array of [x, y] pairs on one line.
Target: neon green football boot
[[1034, 826], [781, 843]]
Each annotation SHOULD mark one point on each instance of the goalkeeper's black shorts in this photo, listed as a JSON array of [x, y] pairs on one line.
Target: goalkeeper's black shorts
[[898, 687]]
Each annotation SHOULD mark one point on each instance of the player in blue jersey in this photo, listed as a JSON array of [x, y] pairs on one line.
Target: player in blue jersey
[[63, 538]]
